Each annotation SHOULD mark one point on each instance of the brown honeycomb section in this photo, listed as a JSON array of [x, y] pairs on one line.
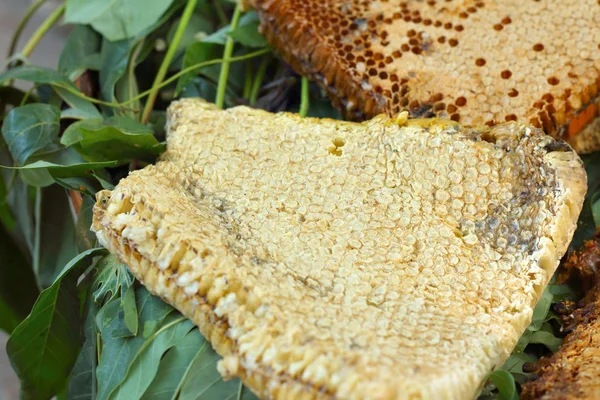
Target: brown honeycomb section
[[502, 57]]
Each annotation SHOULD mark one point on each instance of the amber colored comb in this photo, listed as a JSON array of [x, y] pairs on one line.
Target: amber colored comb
[[478, 62]]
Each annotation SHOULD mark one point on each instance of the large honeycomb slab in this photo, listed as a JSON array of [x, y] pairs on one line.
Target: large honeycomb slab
[[479, 62], [328, 259]]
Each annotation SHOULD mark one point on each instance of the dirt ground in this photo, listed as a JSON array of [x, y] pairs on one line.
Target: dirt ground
[[46, 54]]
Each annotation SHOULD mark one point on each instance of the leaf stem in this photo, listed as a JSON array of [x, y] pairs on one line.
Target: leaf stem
[[42, 30], [162, 71], [305, 98], [193, 68], [131, 72], [258, 79], [248, 81], [220, 100], [220, 12], [17, 34]]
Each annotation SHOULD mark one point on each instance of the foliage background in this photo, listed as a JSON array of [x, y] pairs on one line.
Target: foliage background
[[81, 327]]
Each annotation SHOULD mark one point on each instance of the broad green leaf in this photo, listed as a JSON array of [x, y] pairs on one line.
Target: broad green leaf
[[44, 347], [247, 31], [82, 381], [203, 381], [144, 367], [31, 129], [505, 383], [119, 353], [82, 108], [64, 163], [114, 57], [18, 290], [546, 337], [80, 52], [174, 367], [59, 83], [35, 74], [56, 235], [130, 310], [111, 279], [119, 138], [515, 363], [116, 19]]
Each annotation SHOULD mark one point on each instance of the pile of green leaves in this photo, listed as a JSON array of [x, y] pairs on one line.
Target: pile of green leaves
[[81, 327]]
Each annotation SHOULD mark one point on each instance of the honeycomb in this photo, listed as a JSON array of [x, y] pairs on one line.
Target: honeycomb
[[329, 259], [474, 61]]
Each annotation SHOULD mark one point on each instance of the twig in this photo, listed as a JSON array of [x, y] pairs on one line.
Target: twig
[[220, 100], [17, 34], [162, 71]]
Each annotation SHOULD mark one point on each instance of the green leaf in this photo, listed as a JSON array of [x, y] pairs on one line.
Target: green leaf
[[80, 53], [119, 353], [82, 382], [35, 74], [31, 129], [541, 310], [44, 347], [586, 224], [18, 290], [59, 83], [174, 367], [505, 383], [116, 19], [56, 227], [111, 278], [202, 380], [247, 31], [81, 108], [114, 57], [64, 163], [145, 366], [119, 138], [546, 337], [515, 364], [130, 310], [85, 238]]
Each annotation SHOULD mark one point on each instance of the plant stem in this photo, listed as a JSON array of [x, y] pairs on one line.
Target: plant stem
[[131, 72], [162, 71], [42, 30], [220, 100], [258, 79], [248, 81], [190, 69], [220, 12], [305, 98], [15, 38], [27, 94]]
